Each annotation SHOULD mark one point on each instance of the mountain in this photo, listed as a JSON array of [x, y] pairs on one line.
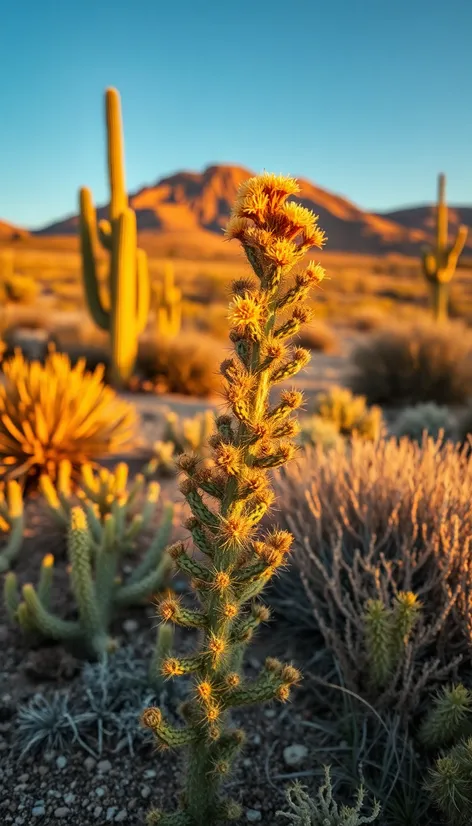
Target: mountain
[[423, 217], [9, 232], [197, 205]]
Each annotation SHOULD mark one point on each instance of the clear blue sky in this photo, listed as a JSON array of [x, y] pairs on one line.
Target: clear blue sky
[[368, 98]]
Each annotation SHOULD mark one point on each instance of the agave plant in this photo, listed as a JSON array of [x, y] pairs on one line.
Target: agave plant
[[55, 411]]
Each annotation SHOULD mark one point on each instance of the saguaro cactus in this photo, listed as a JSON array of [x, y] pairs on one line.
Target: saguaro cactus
[[128, 277], [168, 304], [439, 265]]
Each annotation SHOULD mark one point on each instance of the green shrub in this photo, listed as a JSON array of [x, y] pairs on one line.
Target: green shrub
[[187, 364], [428, 418], [413, 364]]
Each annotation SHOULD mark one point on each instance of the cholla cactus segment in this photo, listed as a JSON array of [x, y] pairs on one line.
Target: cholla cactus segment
[[166, 301], [12, 523], [349, 413], [324, 810], [100, 532], [387, 633], [229, 496], [181, 435], [55, 411], [450, 784], [449, 718]]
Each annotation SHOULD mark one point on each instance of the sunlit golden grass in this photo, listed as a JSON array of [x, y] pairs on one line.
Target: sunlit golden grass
[[51, 412]]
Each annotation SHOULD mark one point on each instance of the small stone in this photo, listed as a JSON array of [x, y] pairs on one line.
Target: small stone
[[97, 811], [121, 816], [89, 763], [111, 812], [294, 755], [130, 626], [69, 798], [270, 713], [253, 815], [38, 809], [43, 770], [149, 773], [145, 792], [61, 811], [100, 792], [247, 762], [23, 778], [257, 739], [104, 766], [61, 761]]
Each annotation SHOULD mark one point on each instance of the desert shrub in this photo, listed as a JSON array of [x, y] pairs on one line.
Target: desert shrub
[[181, 435], [324, 810], [464, 424], [383, 542], [319, 337], [31, 337], [92, 355], [187, 364], [54, 411], [350, 414], [97, 713], [366, 319], [413, 364], [428, 418], [314, 430]]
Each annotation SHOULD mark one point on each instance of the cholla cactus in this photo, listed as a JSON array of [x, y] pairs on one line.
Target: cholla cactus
[[12, 523], [54, 411], [428, 419], [324, 811], [190, 435], [449, 718], [167, 302], [387, 632], [349, 413], [98, 536], [450, 784], [439, 265], [257, 437]]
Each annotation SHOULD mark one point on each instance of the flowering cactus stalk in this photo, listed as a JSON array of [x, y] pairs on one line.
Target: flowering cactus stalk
[[439, 265], [229, 498], [12, 522], [128, 278]]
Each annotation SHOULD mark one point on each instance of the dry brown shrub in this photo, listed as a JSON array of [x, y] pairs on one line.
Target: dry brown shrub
[[187, 364], [371, 521], [418, 363], [319, 337]]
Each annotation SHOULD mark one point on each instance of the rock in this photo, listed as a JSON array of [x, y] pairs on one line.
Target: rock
[[247, 762], [270, 713], [100, 792], [111, 812], [253, 815], [43, 770], [130, 626], [121, 816], [257, 739], [61, 761], [61, 811], [97, 811], [294, 755], [89, 763], [38, 809], [69, 798], [149, 773], [104, 766], [145, 792]]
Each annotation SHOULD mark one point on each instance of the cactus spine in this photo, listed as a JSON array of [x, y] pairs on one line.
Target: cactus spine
[[229, 498], [168, 304], [128, 278], [439, 265]]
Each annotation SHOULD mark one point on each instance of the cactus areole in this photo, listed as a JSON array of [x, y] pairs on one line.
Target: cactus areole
[[228, 499], [126, 312]]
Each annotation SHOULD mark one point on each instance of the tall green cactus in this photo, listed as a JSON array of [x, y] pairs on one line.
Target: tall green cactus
[[168, 304], [128, 278], [439, 265]]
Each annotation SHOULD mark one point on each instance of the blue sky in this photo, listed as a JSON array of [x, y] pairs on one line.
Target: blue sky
[[367, 98]]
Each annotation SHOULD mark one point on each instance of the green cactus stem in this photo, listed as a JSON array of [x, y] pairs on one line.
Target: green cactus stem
[[167, 301], [128, 278], [12, 522], [439, 264]]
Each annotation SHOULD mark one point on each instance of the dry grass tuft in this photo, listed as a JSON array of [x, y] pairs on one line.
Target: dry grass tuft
[[370, 522]]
